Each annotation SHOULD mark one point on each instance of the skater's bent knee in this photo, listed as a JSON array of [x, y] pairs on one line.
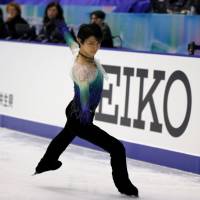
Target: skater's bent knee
[[118, 147]]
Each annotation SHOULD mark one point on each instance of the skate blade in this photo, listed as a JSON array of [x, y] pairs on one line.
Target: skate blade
[[34, 174]]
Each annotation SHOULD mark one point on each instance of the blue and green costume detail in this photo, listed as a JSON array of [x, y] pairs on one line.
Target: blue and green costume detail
[[87, 95]]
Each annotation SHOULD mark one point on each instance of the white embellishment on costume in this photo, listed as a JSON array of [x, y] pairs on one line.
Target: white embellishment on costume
[[75, 49], [83, 73], [101, 69]]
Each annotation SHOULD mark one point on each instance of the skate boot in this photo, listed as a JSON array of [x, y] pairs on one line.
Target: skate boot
[[129, 190], [44, 166]]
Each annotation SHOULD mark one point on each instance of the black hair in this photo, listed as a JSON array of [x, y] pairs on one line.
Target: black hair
[[99, 14], [59, 8], [87, 30]]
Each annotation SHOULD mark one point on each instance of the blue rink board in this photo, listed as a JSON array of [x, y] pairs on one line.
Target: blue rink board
[[154, 155]]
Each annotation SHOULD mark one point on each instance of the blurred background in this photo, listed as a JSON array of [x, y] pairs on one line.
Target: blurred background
[[161, 26]]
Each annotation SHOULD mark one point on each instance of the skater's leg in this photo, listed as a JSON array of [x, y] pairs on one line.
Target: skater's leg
[[116, 149], [50, 159], [59, 144]]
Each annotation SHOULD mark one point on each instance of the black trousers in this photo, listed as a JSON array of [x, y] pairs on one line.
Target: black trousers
[[95, 135]]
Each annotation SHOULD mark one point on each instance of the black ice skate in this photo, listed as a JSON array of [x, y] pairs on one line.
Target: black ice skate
[[129, 189], [44, 166]]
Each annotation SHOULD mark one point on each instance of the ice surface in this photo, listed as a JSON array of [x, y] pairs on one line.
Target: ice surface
[[85, 174]]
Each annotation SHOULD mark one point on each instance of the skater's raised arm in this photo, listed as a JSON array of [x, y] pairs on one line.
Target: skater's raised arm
[[64, 29]]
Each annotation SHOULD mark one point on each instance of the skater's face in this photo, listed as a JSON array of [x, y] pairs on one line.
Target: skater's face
[[90, 46]]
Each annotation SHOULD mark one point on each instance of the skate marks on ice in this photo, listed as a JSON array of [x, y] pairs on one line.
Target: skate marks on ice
[[85, 174]]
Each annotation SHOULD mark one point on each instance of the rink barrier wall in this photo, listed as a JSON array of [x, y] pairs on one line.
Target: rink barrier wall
[[145, 153], [156, 115], [1, 124]]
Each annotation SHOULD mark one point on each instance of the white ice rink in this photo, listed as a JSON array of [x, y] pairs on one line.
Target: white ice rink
[[85, 174]]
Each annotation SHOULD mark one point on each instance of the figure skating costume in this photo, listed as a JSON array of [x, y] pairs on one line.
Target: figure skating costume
[[88, 86]]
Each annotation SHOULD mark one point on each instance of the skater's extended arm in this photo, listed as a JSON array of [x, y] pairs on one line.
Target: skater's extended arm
[[68, 37]]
